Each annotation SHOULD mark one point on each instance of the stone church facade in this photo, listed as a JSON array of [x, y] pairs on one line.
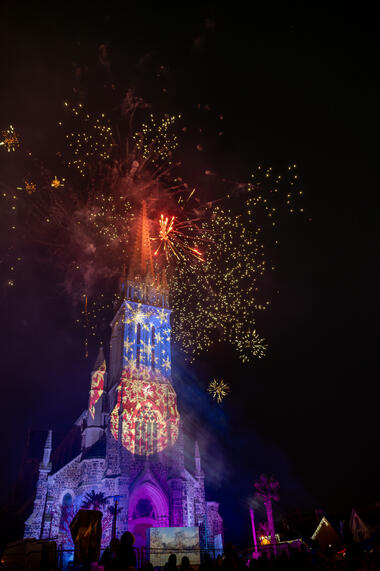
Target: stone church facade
[[131, 450]]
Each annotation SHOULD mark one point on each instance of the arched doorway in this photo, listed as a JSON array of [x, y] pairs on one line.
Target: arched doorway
[[148, 507]]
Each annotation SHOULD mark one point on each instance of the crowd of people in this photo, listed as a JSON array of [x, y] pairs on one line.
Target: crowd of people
[[120, 556], [306, 559]]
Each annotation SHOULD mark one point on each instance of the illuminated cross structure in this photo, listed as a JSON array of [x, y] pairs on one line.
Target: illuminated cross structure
[[131, 439]]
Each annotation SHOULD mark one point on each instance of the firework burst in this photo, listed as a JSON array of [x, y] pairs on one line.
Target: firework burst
[[175, 239], [214, 253], [221, 299], [10, 140], [82, 216], [56, 183], [218, 389], [156, 140], [89, 139], [217, 299]]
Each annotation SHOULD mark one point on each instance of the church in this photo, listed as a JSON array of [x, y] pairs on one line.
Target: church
[[130, 453]]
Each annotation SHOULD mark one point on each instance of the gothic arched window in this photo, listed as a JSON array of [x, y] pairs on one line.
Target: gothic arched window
[[67, 500], [144, 508], [146, 431], [138, 341], [67, 514], [153, 343]]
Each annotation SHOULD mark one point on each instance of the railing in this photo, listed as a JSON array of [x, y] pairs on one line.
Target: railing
[[158, 557], [276, 549], [62, 559]]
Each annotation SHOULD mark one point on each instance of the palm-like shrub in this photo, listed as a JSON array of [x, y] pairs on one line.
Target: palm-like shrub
[[94, 500]]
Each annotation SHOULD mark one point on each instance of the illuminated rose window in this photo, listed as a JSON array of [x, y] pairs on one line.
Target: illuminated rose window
[[149, 416]]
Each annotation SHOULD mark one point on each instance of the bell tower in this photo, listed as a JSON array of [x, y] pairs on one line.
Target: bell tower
[[133, 444], [140, 389], [141, 327]]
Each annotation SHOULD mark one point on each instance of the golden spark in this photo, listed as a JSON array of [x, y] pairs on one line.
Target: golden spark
[[218, 389]]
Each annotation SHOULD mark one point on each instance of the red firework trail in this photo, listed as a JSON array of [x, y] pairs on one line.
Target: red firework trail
[[174, 241]]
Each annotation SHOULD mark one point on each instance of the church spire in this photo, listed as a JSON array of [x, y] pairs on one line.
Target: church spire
[[141, 284], [164, 281], [46, 464], [197, 458], [141, 265], [99, 359]]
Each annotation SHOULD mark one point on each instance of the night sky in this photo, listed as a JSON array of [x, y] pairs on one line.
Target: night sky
[[294, 86]]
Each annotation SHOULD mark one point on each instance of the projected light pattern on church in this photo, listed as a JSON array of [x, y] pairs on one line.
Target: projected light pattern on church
[[145, 416], [97, 387], [132, 413], [147, 339], [148, 415]]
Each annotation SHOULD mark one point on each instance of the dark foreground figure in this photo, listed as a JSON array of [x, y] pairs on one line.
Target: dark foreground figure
[[119, 555]]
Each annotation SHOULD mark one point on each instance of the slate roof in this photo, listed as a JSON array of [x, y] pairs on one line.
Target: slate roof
[[97, 450], [68, 448]]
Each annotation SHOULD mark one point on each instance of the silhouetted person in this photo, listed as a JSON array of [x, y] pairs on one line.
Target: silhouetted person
[[283, 561], [108, 559], [263, 561], [171, 564], [185, 564], [230, 562], [125, 555], [373, 558], [86, 531], [207, 563], [252, 563]]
